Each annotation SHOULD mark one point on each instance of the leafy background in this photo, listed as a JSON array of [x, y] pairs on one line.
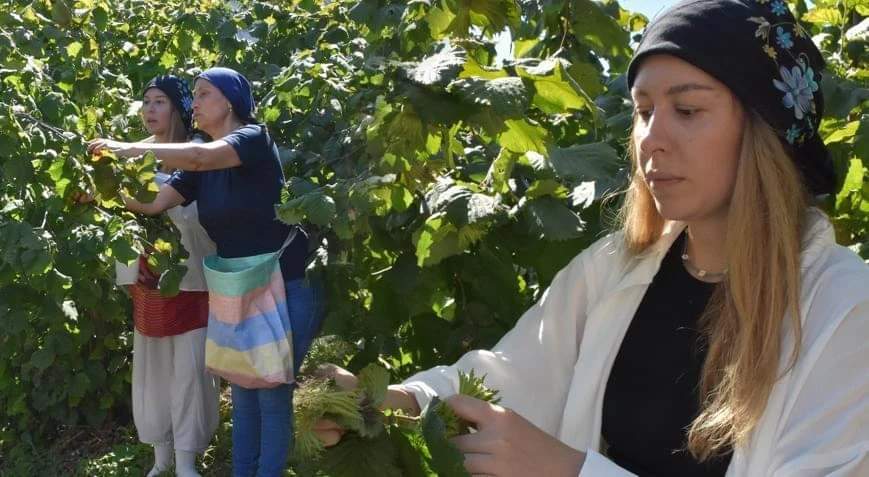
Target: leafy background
[[444, 184]]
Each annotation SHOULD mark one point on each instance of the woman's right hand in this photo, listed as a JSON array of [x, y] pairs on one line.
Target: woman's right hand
[[121, 149], [343, 378], [329, 432]]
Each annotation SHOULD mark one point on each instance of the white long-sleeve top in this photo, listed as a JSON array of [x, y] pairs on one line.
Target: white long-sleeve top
[[553, 366]]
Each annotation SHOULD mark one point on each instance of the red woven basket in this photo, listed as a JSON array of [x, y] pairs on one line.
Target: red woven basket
[[158, 316]]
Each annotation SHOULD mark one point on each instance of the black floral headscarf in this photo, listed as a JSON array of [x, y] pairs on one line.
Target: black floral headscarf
[[764, 56], [178, 92]]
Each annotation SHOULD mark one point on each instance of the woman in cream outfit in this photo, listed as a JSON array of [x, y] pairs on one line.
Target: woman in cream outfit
[[175, 400], [721, 331]]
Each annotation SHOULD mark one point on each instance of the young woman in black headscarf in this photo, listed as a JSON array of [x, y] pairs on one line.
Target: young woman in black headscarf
[[721, 330]]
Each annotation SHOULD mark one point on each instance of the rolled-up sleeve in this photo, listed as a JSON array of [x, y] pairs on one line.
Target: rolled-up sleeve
[[251, 143]]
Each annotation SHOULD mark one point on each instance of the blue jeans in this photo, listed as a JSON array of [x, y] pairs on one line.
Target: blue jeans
[[306, 316], [262, 419]]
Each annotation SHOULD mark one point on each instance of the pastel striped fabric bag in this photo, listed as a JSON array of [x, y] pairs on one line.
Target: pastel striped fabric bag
[[249, 338]]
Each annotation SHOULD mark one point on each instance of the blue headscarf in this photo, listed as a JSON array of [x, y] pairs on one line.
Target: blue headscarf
[[235, 87], [178, 92]]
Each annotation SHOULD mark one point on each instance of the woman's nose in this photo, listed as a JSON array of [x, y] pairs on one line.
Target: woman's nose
[[653, 134]]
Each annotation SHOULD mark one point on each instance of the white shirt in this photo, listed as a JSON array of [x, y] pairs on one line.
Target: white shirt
[[553, 366], [194, 239]]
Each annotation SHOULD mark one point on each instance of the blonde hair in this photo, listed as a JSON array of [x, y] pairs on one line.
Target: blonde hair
[[177, 131], [744, 319]]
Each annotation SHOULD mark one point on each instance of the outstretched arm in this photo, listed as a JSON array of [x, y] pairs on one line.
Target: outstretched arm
[[187, 156], [167, 198]]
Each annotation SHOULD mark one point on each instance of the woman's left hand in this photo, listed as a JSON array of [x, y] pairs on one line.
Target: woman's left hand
[[506, 444], [121, 149]]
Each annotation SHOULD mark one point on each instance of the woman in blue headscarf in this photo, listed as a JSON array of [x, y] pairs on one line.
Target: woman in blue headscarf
[[236, 179]]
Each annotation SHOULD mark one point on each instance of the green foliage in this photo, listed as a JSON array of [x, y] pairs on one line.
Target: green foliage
[[373, 381], [469, 385], [124, 459], [329, 349], [71, 71], [474, 386], [322, 399], [437, 426], [356, 455], [378, 442]]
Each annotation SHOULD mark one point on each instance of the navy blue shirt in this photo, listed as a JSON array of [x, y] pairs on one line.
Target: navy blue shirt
[[237, 205]]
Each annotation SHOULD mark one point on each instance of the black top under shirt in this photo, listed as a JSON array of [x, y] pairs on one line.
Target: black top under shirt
[[652, 393]]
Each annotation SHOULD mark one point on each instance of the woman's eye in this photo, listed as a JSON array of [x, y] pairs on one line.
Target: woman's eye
[[686, 112], [644, 114]]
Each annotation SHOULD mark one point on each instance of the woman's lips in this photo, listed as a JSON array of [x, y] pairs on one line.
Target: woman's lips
[[660, 179]]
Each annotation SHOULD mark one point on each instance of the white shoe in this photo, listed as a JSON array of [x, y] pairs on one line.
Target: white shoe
[[162, 459], [185, 464], [156, 471]]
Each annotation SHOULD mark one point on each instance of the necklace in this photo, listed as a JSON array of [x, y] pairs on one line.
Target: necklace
[[699, 273]]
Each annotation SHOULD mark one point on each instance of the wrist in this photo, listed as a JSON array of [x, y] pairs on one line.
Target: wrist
[[129, 149], [397, 397], [574, 462], [137, 207]]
